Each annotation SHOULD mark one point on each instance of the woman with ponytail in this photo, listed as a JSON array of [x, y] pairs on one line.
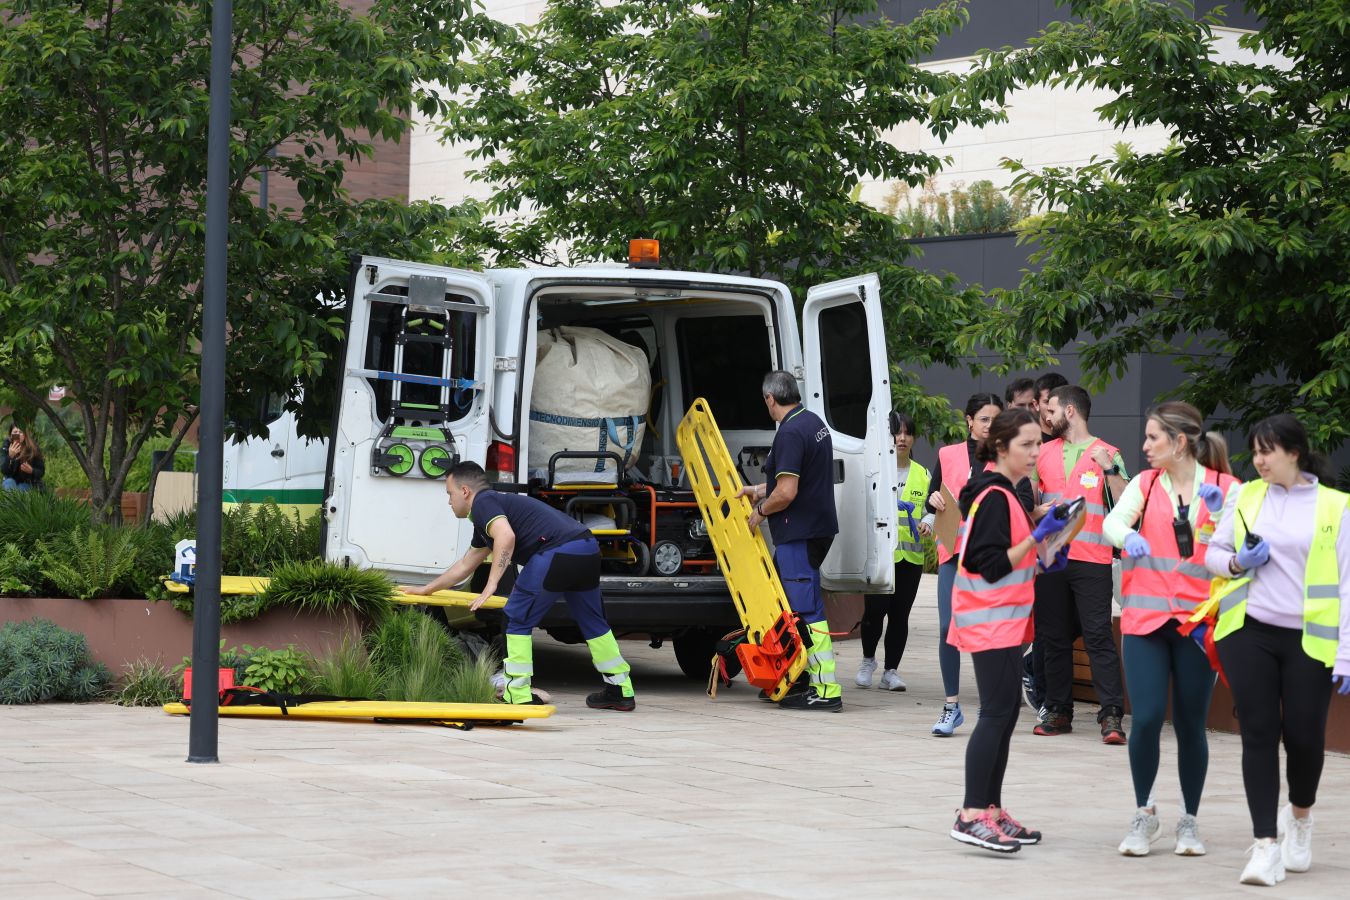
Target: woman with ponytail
[[1164, 521]]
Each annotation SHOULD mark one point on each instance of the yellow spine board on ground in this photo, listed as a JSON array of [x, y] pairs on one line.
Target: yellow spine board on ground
[[234, 585], [385, 709], [743, 556]]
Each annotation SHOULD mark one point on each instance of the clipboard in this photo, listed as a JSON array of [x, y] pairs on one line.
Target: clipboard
[[947, 522], [1076, 513]]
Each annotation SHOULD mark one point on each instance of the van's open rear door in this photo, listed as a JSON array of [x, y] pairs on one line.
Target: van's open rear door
[[848, 385], [415, 394]]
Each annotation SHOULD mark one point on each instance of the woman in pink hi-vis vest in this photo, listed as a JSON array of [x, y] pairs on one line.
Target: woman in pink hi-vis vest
[[954, 465]]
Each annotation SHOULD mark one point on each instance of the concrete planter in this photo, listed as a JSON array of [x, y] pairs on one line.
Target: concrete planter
[[120, 631]]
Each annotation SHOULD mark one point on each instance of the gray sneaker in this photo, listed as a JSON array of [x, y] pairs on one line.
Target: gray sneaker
[[1188, 837], [1144, 830]]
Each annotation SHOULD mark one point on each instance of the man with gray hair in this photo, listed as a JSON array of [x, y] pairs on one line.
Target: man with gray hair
[[797, 500]]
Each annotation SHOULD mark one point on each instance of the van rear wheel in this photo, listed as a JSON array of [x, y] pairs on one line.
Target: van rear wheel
[[694, 652]]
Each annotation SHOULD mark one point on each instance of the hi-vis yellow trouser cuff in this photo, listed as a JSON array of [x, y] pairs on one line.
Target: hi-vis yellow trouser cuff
[[820, 661], [518, 668], [609, 662]]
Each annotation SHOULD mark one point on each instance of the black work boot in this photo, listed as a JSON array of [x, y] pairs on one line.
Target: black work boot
[[611, 698]]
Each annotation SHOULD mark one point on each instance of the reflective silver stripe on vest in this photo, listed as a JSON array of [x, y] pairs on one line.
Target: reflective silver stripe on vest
[[906, 545], [977, 584], [1088, 537], [1326, 632], [1157, 604], [992, 614], [1232, 599], [1323, 591], [1194, 570], [1051, 496]]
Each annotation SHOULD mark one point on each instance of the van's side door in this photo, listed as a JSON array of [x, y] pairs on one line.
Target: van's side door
[[380, 513], [847, 378]]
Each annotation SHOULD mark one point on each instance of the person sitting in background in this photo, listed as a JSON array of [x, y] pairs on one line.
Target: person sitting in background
[[21, 462]]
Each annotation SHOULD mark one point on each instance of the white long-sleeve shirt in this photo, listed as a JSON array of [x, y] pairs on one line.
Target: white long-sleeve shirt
[[1285, 521]]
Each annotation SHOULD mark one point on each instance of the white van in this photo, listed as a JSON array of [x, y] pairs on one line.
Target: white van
[[712, 336]]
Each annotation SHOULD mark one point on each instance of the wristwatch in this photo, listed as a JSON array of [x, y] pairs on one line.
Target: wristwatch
[[1114, 470], [1233, 567], [759, 508]]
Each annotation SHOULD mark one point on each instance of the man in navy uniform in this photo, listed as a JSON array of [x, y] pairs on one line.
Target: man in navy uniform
[[558, 557], [797, 500]]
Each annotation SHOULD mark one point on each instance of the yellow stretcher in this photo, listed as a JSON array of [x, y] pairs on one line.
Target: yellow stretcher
[[232, 585], [379, 710], [773, 655]]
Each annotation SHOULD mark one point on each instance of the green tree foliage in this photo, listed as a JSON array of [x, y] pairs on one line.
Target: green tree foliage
[[103, 130], [1229, 244], [735, 131]]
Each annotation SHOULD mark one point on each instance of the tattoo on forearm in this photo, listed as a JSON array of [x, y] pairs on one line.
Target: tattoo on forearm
[[503, 560]]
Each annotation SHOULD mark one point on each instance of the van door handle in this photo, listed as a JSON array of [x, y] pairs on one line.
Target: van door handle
[[278, 452]]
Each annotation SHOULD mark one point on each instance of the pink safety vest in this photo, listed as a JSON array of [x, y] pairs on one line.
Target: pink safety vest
[[1162, 585], [989, 616], [955, 462], [1087, 481]]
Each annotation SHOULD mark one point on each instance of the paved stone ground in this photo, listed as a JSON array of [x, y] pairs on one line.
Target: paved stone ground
[[686, 797]]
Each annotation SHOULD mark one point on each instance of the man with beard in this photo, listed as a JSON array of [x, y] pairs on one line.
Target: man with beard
[[1075, 464]]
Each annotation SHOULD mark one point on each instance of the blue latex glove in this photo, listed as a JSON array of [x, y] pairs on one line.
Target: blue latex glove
[[1137, 545], [1253, 557], [1198, 634], [1048, 525], [1342, 682], [1212, 496], [904, 506], [1060, 562]]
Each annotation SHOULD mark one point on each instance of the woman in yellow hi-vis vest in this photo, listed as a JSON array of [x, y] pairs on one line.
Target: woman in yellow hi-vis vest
[[1283, 633], [891, 611]]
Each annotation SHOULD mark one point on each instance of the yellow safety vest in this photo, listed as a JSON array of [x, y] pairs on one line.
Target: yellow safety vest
[[1321, 581], [909, 547]]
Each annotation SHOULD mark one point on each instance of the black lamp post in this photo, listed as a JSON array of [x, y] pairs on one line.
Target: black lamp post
[[203, 737]]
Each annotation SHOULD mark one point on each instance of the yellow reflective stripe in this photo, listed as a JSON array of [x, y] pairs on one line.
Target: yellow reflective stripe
[[992, 614]]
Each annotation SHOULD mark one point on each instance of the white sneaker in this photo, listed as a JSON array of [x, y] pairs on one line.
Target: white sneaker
[[1296, 840], [1265, 866], [890, 681], [1144, 830], [866, 671], [499, 682], [1188, 837]]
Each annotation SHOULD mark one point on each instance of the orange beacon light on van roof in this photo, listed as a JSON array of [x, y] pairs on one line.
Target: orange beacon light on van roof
[[644, 253]]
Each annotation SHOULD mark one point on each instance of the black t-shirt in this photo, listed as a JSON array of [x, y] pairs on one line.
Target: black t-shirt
[[803, 447], [537, 525], [990, 533]]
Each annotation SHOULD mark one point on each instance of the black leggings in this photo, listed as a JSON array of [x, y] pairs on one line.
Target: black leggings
[[896, 606], [1279, 692], [998, 678]]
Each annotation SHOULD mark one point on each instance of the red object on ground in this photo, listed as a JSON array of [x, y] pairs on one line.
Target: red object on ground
[[224, 678]]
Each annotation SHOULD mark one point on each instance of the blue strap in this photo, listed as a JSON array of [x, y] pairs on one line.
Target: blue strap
[[608, 427]]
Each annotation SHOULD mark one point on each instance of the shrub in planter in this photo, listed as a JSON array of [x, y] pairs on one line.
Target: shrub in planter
[[28, 518], [287, 671], [407, 656], [256, 539], [91, 562], [327, 587], [19, 573], [147, 683], [41, 662]]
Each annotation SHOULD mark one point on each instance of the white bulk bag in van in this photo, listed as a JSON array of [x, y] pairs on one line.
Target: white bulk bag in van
[[590, 393]]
